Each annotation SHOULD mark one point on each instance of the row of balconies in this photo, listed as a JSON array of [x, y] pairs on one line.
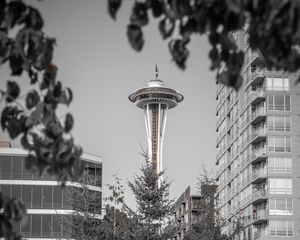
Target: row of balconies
[[256, 197]]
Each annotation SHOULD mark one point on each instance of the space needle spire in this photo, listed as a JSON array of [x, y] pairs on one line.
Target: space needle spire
[[155, 99]]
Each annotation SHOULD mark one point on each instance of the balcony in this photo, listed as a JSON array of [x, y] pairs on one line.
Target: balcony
[[258, 115], [260, 217], [259, 196], [259, 155], [257, 96], [259, 136], [255, 59], [259, 175], [258, 76]]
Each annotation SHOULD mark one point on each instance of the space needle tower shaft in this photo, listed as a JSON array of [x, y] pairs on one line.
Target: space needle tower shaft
[[155, 100]]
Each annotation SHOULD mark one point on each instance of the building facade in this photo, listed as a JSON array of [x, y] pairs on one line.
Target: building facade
[[45, 201], [258, 151], [191, 210]]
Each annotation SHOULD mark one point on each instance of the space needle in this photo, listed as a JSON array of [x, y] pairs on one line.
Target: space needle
[[155, 99]]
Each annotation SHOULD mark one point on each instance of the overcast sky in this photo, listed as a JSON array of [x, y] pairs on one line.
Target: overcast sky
[[96, 61]]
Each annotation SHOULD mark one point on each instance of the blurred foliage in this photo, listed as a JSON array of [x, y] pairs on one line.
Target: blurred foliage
[[273, 28], [33, 116]]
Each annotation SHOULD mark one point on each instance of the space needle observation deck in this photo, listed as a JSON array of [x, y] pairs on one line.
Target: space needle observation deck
[[155, 99]]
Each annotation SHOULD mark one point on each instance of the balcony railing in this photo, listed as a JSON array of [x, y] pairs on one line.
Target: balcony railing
[[257, 76], [259, 196], [259, 135], [260, 217], [258, 115], [257, 96], [259, 176], [259, 155]]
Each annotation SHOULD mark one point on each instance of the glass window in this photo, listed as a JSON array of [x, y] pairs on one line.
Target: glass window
[[287, 123], [270, 102], [36, 225], [36, 196], [17, 168], [287, 103], [46, 225], [272, 228], [281, 228], [57, 222], [280, 185], [47, 196], [6, 167], [26, 195], [25, 226], [290, 228], [279, 123], [6, 190], [16, 191], [286, 84], [279, 102], [57, 197]]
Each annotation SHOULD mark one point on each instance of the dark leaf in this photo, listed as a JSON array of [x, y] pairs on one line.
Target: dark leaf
[[54, 129], [34, 19], [15, 9], [113, 7], [66, 96], [234, 5], [14, 128], [135, 37], [44, 57], [189, 27], [179, 52], [157, 8], [166, 27], [16, 64], [49, 77], [33, 76], [139, 14], [69, 121], [32, 99], [12, 92], [183, 7]]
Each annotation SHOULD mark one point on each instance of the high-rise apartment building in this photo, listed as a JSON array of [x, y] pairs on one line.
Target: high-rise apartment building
[[45, 201], [258, 151]]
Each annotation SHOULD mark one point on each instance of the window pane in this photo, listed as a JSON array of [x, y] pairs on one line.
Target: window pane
[[36, 225], [289, 205], [280, 204], [57, 223], [26, 195], [287, 123], [272, 227], [277, 84], [6, 167], [25, 226], [271, 144], [287, 103], [47, 196], [57, 197], [290, 227], [36, 196], [279, 102], [281, 228], [16, 191], [279, 144], [279, 123], [17, 167], [288, 144], [272, 204], [279, 164], [288, 164], [270, 102], [46, 225], [270, 123], [6, 190]]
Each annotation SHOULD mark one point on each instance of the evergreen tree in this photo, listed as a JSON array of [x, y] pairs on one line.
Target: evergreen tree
[[153, 205]]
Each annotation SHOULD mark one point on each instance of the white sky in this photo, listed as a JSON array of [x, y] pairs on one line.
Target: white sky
[[96, 61]]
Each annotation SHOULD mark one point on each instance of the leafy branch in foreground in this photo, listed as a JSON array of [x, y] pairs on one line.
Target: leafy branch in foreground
[[273, 29], [32, 116]]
